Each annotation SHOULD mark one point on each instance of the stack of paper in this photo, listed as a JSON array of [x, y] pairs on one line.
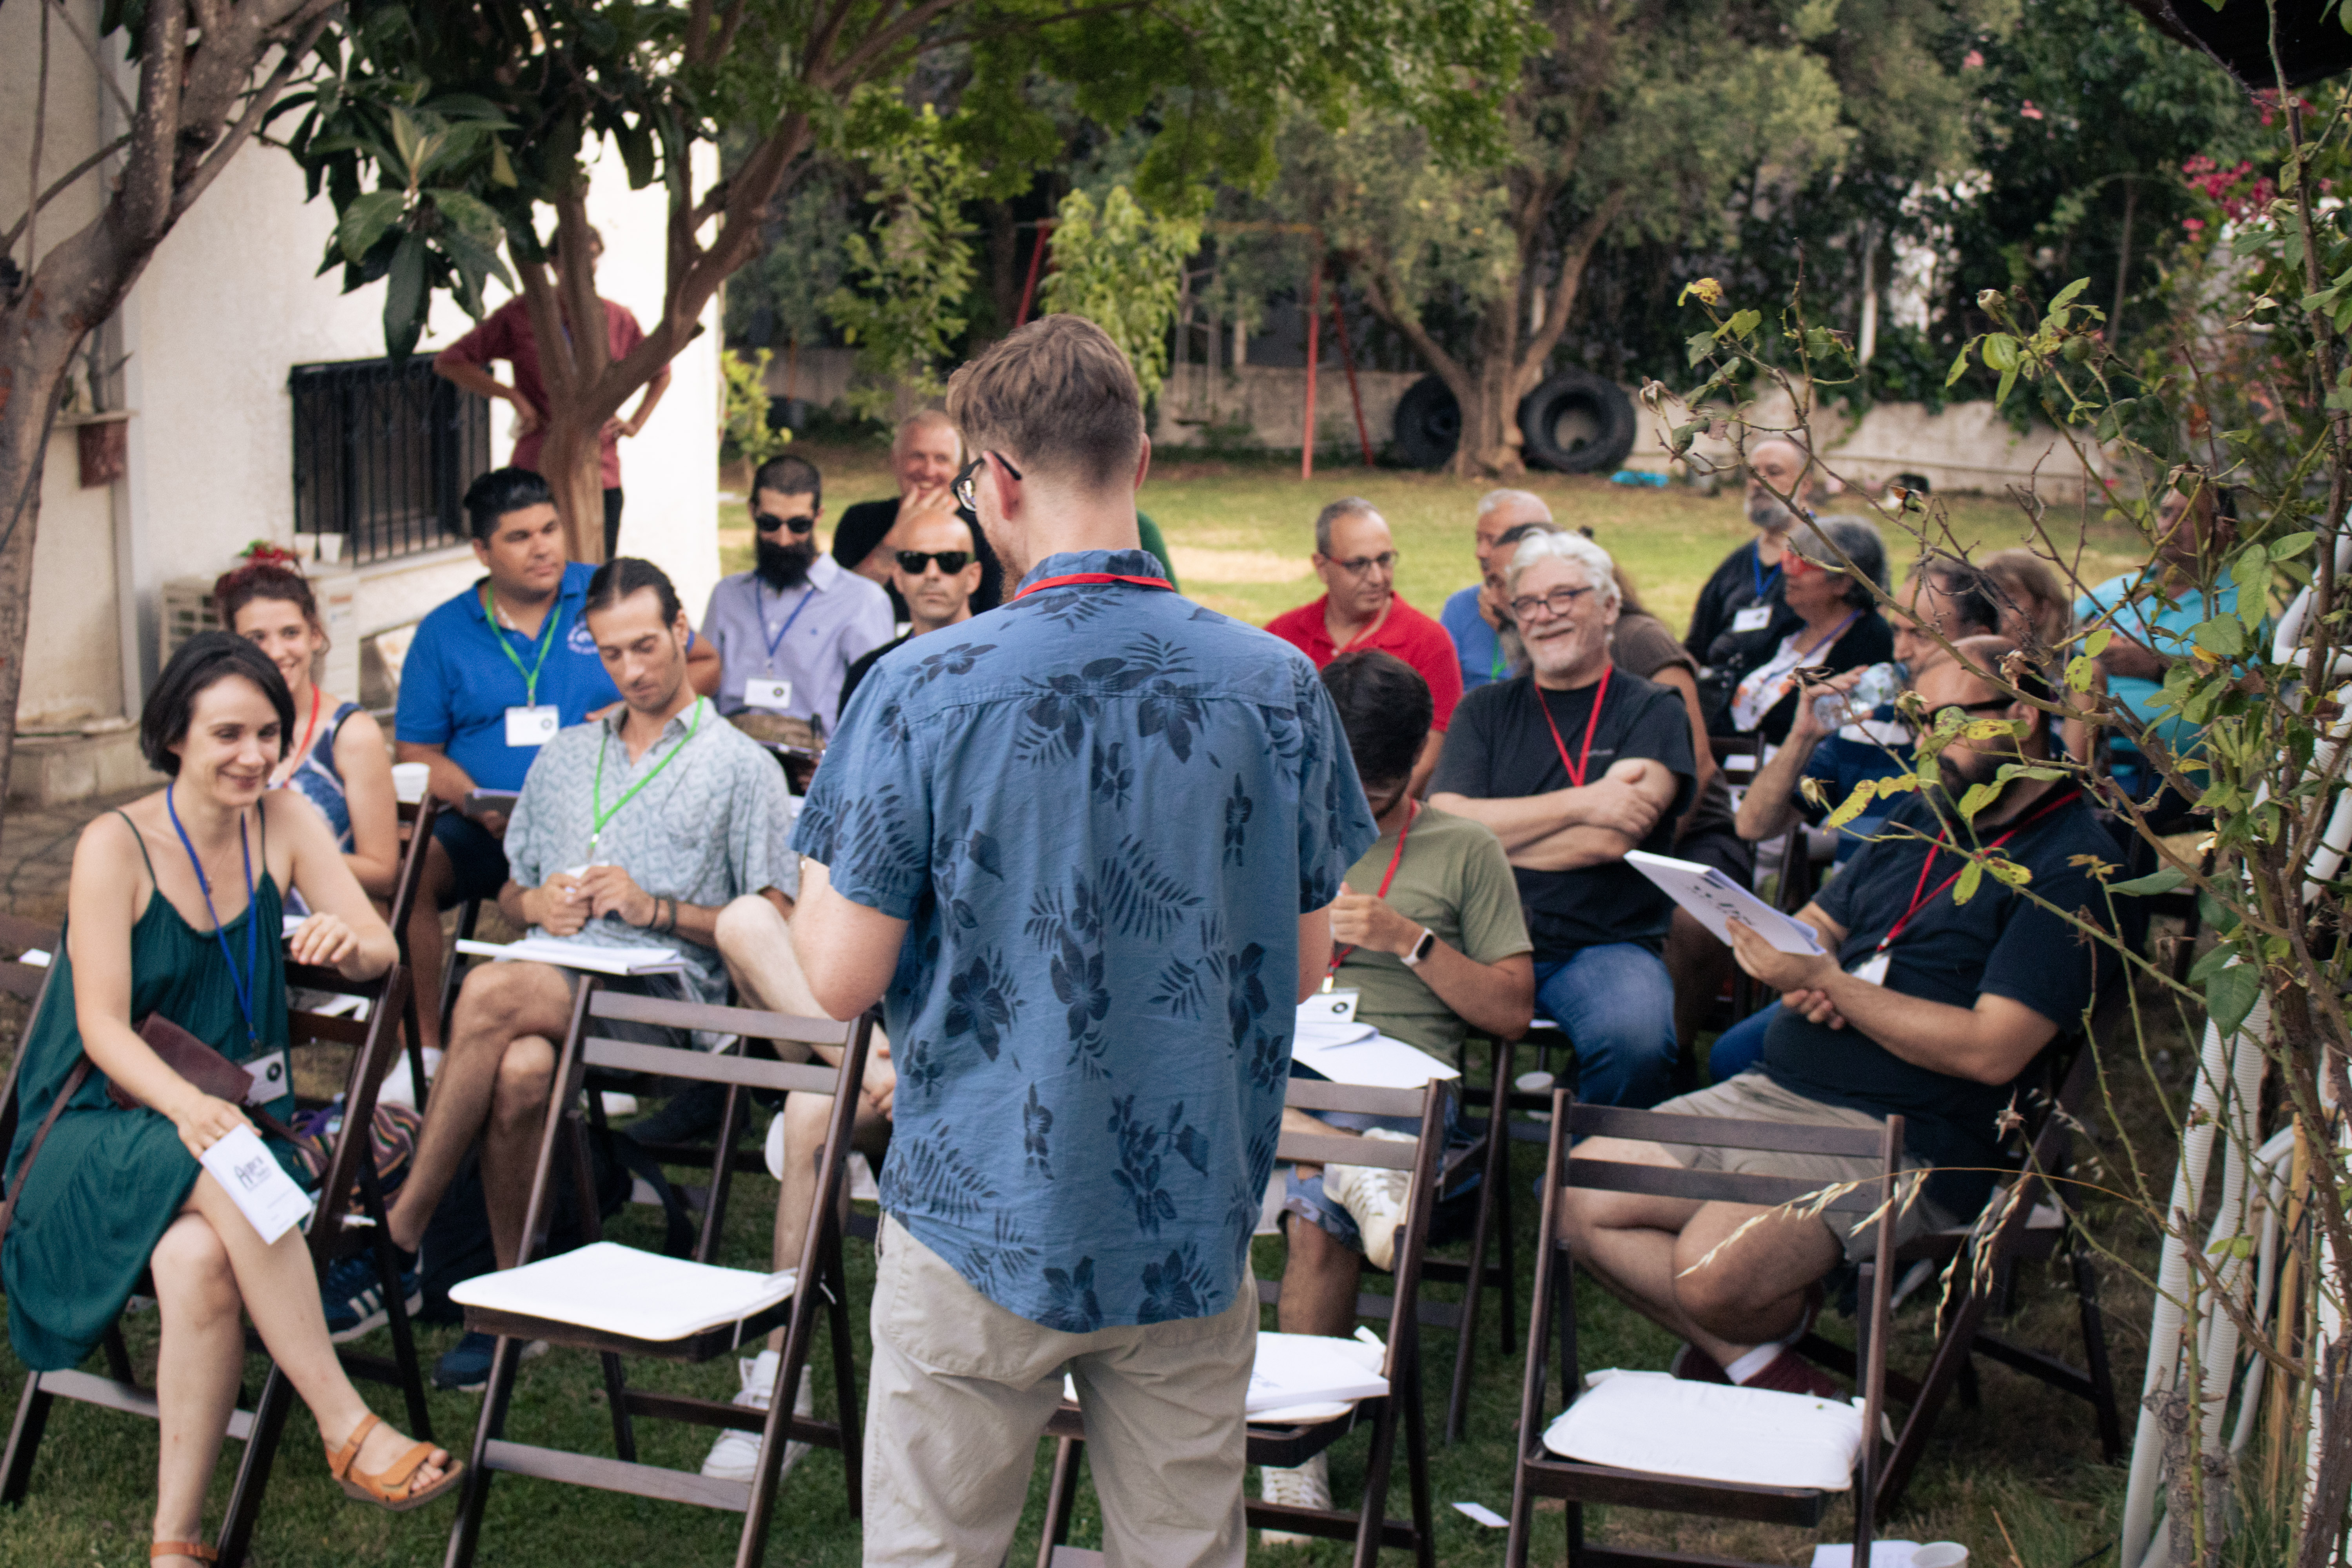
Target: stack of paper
[[1358, 1054], [621, 1291], [566, 952], [1298, 1369], [257, 1183]]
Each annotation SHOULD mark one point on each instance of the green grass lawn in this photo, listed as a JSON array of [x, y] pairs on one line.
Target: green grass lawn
[[2021, 1469]]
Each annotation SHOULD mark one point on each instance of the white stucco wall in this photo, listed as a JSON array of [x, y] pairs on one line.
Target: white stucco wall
[[73, 664]]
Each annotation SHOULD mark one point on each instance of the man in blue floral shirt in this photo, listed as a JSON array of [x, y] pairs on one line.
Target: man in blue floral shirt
[[1082, 848]]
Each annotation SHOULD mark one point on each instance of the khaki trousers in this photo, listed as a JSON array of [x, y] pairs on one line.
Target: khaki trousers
[[962, 1389]]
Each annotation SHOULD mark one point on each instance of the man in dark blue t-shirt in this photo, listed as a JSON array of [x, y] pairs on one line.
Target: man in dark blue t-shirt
[[1925, 1006]]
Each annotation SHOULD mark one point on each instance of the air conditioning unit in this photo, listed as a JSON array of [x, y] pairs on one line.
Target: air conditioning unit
[[188, 610]]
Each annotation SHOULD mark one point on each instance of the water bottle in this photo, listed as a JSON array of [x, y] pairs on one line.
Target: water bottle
[[1878, 686]]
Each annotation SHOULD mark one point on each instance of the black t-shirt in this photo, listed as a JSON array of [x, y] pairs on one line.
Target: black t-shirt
[[1730, 590], [2000, 943], [1641, 646], [864, 527], [864, 661], [1498, 748]]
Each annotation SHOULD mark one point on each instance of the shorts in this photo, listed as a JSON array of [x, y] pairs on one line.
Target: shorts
[[1753, 1097], [1723, 849], [1304, 1196], [475, 855]]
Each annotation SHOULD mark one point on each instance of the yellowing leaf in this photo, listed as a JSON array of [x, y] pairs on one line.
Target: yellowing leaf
[[1863, 794], [1971, 878]]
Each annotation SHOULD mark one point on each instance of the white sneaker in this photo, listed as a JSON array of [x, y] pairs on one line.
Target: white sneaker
[[736, 1456], [1306, 1485], [1375, 1198]]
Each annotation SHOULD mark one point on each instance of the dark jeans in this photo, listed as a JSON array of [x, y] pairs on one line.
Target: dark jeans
[[612, 522], [477, 857]]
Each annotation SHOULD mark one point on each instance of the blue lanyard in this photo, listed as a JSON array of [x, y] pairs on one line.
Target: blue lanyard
[[1764, 580], [778, 640], [242, 984]]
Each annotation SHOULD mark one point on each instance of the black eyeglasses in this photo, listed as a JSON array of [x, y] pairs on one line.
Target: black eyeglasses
[[769, 522], [912, 562], [1559, 602], [1992, 705], [966, 478], [1364, 565]]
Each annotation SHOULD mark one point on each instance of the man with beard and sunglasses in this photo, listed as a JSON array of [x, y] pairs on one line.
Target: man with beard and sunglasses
[[788, 630], [936, 569], [1925, 1005]]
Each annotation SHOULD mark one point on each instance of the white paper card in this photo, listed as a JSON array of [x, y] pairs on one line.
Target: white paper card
[[1873, 969], [1358, 1054], [1330, 1006], [1883, 1554], [268, 1075], [259, 1185], [566, 954], [1716, 899], [775, 696], [1310, 1369], [532, 726], [621, 1291], [1480, 1514], [38, 957], [1754, 618]]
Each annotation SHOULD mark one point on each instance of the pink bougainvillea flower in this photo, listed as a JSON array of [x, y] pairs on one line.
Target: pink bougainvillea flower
[[2030, 112], [1973, 61]]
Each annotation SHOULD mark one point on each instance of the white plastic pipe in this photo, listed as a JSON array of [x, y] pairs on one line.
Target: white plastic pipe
[[2272, 1161], [2218, 1354]]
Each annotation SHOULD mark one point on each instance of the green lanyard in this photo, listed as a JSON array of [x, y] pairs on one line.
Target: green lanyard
[[596, 800], [546, 641]]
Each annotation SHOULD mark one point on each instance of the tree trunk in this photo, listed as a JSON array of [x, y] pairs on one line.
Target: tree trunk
[[2333, 1484]]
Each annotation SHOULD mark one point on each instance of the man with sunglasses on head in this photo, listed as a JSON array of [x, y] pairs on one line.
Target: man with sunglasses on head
[[936, 569], [1356, 557], [788, 630]]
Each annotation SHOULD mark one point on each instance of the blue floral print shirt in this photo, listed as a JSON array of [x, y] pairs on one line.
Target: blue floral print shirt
[[1102, 808]]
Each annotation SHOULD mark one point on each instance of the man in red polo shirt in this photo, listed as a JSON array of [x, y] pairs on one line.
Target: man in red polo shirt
[[505, 334], [1360, 608]]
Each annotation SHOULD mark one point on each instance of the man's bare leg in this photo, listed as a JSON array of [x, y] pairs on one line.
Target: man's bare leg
[[1319, 1277]]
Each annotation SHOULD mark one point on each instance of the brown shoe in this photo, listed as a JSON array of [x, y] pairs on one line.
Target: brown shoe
[[1789, 1372], [1693, 1364]]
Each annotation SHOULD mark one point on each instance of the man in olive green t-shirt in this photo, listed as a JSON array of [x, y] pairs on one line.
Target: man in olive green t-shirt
[[1429, 933]]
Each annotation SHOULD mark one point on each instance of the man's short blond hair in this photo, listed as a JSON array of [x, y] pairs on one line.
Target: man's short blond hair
[[1057, 397], [924, 419]]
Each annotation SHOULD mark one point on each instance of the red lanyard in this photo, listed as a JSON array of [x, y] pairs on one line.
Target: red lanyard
[[1043, 583], [1584, 755], [1395, 855], [1378, 621], [1920, 897], [308, 729]]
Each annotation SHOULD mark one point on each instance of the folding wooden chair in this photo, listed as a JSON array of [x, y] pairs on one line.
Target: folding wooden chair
[[1399, 1411], [1541, 1473], [416, 827], [1489, 1153], [349, 1179], [821, 1276], [2017, 1224], [29, 984]]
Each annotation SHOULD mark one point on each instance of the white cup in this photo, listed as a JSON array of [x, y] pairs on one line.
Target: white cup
[[1941, 1555], [1533, 1083], [410, 781]]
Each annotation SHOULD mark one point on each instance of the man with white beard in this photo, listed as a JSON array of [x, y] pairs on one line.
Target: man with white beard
[[1742, 599], [1572, 765]]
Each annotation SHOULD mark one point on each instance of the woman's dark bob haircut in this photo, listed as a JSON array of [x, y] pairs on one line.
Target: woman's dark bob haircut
[[204, 660]]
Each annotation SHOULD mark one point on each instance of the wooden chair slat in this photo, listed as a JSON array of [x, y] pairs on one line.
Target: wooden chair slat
[[1319, 1094], [707, 1067], [1337, 1149], [1713, 1187], [1721, 1133], [748, 1022]]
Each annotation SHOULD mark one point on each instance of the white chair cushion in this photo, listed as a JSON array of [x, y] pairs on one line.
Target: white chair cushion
[[1709, 1431]]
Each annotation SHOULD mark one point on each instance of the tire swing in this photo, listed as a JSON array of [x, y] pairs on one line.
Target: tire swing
[[1575, 423], [1428, 425]]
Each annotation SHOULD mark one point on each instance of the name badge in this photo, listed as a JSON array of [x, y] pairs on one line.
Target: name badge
[[775, 696], [1754, 618], [531, 726], [268, 1075], [1872, 969], [1330, 1006]]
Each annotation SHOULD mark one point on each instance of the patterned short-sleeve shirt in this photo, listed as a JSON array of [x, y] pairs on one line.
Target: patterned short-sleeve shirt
[[712, 823], [1102, 809]]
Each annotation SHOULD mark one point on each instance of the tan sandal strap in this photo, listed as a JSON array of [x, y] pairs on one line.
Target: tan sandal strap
[[395, 1477], [195, 1549], [339, 1460]]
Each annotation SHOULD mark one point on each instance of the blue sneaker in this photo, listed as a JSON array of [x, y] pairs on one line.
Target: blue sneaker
[[353, 1296], [465, 1367]]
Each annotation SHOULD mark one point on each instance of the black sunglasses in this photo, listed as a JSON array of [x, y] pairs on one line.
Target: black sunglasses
[[912, 562], [769, 522], [1992, 705], [962, 485]]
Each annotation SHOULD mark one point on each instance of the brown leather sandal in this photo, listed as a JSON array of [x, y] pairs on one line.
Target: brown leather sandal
[[195, 1549], [386, 1488]]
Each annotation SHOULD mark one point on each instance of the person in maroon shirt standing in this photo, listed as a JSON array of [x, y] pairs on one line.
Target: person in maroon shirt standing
[[505, 333], [1360, 608]]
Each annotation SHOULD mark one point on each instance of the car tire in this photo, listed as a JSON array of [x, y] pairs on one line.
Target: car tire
[[1576, 423], [1428, 425]]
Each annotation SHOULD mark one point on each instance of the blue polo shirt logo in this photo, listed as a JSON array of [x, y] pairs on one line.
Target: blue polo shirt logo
[[578, 640]]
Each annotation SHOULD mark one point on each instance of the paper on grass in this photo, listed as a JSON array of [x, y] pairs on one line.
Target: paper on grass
[[1714, 899], [269, 1199], [1360, 1055], [621, 1291], [1883, 1554], [597, 959], [1479, 1513]]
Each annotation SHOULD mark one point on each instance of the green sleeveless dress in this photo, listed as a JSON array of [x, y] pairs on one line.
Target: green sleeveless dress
[[109, 1182]]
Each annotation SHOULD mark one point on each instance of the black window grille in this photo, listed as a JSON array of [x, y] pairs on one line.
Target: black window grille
[[384, 455]]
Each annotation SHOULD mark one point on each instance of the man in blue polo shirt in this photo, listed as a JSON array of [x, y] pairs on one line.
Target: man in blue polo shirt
[[1081, 849], [1473, 616], [491, 676]]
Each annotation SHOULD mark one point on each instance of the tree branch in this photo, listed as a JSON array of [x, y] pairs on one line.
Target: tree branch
[[8, 240], [267, 94]]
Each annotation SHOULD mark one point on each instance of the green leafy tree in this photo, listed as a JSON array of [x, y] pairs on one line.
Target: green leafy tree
[[421, 119], [1123, 269], [746, 409], [911, 274]]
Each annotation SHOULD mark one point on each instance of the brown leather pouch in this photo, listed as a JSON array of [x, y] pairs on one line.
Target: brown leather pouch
[[206, 1069]]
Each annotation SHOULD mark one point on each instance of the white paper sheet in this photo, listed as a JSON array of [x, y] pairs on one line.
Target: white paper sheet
[[1312, 1369], [1883, 1554], [622, 1290], [257, 1183], [592, 957], [1358, 1054], [1714, 899]]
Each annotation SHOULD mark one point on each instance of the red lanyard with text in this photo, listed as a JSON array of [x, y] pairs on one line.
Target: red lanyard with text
[[1591, 723], [1042, 583], [1396, 857], [1921, 898]]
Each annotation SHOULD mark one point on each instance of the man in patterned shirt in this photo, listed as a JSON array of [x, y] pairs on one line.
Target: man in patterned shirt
[[1081, 873], [635, 830]]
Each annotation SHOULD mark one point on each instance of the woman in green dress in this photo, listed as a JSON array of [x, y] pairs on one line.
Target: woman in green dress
[[174, 910]]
